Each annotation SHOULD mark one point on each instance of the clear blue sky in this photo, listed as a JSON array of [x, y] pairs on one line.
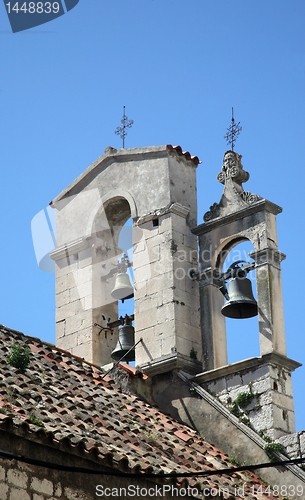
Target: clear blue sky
[[178, 67]]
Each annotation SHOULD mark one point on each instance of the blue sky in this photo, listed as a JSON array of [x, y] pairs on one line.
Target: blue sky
[[178, 67]]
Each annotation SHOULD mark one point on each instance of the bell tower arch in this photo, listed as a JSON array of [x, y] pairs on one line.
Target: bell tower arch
[[238, 217], [156, 187]]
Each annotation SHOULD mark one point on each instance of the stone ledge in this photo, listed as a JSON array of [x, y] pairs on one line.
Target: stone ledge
[[267, 256], [259, 206], [69, 249], [171, 362], [175, 208], [246, 364]]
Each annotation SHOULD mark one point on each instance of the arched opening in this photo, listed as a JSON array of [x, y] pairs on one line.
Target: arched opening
[[111, 239], [119, 236], [125, 244], [242, 334]]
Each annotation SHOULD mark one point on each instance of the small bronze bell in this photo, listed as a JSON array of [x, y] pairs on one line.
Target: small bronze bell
[[125, 343], [241, 303], [122, 288]]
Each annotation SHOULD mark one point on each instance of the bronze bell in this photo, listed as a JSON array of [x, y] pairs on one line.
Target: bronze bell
[[241, 303], [125, 343], [122, 288]]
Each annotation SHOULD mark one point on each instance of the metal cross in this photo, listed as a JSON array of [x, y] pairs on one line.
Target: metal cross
[[233, 131], [121, 131]]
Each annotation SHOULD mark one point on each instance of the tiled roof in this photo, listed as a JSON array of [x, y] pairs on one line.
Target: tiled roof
[[186, 154], [76, 405]]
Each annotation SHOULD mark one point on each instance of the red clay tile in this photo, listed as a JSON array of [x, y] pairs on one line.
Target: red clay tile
[[79, 407], [132, 371], [186, 154]]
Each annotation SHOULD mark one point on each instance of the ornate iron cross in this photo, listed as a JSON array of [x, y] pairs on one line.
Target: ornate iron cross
[[232, 132], [121, 131]]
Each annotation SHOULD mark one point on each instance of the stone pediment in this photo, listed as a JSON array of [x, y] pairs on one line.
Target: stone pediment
[[112, 155]]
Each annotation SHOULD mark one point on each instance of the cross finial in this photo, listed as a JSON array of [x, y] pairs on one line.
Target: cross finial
[[121, 131], [233, 131]]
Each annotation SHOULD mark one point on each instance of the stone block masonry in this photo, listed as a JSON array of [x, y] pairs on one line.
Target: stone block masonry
[[294, 444], [167, 315], [20, 482], [156, 188], [258, 391]]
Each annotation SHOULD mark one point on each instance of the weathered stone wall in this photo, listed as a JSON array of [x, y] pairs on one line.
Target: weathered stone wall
[[156, 187], [22, 482], [294, 444], [258, 391], [19, 481], [177, 395], [166, 298]]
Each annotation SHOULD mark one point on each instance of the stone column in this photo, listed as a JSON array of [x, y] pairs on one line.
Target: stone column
[[238, 217], [83, 301], [214, 344], [269, 299], [166, 298]]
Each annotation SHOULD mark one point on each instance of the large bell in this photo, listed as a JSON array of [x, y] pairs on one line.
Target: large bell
[[124, 344], [122, 288], [241, 303]]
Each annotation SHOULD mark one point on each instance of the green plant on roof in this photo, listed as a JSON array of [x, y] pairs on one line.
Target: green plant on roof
[[151, 435], [36, 421], [19, 356], [233, 461]]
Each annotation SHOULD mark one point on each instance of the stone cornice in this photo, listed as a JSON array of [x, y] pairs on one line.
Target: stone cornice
[[259, 206], [171, 362], [175, 208], [271, 358], [72, 248], [267, 256]]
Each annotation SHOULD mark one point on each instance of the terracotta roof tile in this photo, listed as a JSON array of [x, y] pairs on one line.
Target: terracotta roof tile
[[185, 436], [63, 400], [133, 371], [186, 154]]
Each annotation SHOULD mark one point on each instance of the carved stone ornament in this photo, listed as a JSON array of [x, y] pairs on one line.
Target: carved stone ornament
[[249, 197], [232, 169], [234, 197], [212, 213]]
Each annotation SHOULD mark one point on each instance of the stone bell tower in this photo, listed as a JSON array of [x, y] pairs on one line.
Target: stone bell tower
[[242, 216], [156, 188]]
